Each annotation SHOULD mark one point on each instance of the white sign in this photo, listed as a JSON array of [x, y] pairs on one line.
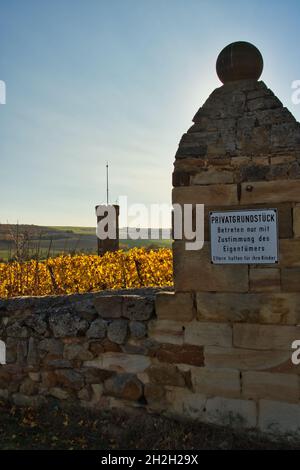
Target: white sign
[[244, 237]]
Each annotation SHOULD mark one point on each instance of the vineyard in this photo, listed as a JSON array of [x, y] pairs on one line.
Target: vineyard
[[67, 274]]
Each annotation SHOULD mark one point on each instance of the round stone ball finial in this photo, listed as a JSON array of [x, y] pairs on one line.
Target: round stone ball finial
[[239, 61]]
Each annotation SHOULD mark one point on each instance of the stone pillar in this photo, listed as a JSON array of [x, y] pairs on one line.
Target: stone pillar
[[241, 152], [109, 244]]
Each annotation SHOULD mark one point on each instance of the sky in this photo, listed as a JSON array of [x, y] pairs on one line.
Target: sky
[[90, 81]]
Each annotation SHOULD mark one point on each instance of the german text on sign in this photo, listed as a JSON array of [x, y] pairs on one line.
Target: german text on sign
[[244, 237]]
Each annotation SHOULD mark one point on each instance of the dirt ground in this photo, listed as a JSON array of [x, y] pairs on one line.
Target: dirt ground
[[54, 428]]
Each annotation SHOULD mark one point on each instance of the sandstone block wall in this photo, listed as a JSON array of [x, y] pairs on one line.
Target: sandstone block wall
[[242, 152]]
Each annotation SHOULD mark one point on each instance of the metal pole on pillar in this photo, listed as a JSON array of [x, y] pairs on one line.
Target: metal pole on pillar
[[107, 198]]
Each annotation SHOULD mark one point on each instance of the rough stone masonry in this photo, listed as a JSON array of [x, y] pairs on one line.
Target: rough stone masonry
[[218, 349]]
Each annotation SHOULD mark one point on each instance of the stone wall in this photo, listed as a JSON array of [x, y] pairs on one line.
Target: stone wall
[[91, 348], [121, 349]]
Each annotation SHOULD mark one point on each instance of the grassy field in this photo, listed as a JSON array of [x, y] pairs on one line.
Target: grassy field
[[54, 240]]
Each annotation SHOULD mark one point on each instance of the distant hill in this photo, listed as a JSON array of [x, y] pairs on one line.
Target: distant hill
[[43, 241]]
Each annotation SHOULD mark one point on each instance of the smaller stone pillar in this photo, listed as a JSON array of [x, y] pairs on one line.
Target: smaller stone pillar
[[111, 243]]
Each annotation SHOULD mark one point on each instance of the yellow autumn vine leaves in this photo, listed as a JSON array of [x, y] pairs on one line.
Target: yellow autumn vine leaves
[[68, 274]]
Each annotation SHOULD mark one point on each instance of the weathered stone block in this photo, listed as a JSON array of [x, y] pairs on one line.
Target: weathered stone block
[[270, 386], [4, 394], [269, 192], [69, 378], [189, 165], [16, 330], [49, 379], [97, 390], [264, 102], [32, 354], [174, 306], [37, 323], [144, 346], [125, 386], [11, 350], [154, 395], [275, 116], [55, 362], [77, 351], [290, 280], [212, 176], [137, 308], [264, 337], [108, 306], [279, 159], [260, 160], [277, 417], [264, 280], [244, 359], [85, 393], [296, 221], [28, 387], [231, 412], [97, 329], [285, 135], [51, 345], [22, 349], [197, 150], [251, 172], [238, 162], [66, 323], [289, 252], [216, 382], [193, 271], [93, 375], [165, 374], [182, 402], [35, 376], [97, 348], [120, 362], [137, 329], [59, 393], [117, 331], [279, 308], [208, 334], [180, 354], [221, 194], [220, 307], [85, 307], [180, 178], [5, 377], [166, 331]]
